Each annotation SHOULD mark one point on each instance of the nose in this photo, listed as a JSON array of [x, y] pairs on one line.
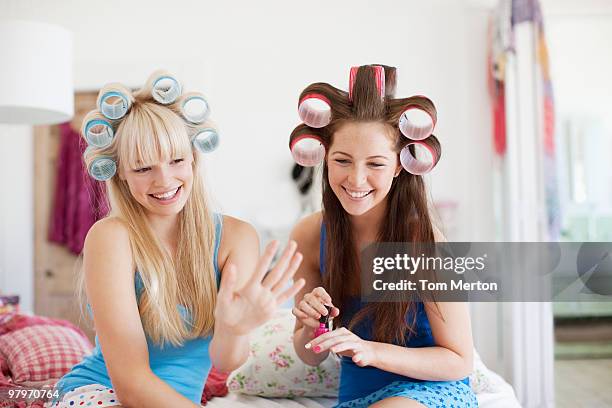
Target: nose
[[164, 176], [357, 176]]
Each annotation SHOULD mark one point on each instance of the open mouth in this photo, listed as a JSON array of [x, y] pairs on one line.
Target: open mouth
[[168, 195], [357, 195]]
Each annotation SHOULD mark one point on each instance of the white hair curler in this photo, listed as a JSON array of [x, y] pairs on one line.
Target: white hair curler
[[307, 150], [206, 140], [315, 110], [194, 107], [164, 87], [114, 101], [416, 123], [97, 129], [425, 160]]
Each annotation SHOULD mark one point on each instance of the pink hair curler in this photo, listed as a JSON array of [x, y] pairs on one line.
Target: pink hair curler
[[425, 161], [416, 123], [315, 110], [307, 150], [379, 73]]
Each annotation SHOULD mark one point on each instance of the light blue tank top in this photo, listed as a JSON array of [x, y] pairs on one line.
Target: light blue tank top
[[184, 368], [358, 382]]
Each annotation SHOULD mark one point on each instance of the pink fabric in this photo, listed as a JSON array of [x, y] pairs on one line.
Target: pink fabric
[[36, 354], [79, 199], [14, 321], [215, 385]]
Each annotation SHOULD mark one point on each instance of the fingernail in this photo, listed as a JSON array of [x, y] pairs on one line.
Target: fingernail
[[307, 346], [316, 349]]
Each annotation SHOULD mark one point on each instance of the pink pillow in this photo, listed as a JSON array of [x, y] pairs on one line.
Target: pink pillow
[[42, 352]]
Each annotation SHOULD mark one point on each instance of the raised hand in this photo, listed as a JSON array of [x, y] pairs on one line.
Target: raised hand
[[240, 310]]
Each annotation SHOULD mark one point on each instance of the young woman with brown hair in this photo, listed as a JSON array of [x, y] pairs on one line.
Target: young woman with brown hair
[[405, 353]]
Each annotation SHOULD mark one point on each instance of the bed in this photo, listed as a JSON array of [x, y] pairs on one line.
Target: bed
[[273, 376]]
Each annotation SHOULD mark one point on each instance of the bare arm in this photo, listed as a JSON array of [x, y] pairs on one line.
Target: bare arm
[[247, 300], [240, 241], [109, 283], [307, 234], [449, 360]]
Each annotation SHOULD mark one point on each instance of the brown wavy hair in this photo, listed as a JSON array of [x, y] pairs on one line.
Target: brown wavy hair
[[407, 216]]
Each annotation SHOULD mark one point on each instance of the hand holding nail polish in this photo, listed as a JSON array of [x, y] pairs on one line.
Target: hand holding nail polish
[[316, 310]]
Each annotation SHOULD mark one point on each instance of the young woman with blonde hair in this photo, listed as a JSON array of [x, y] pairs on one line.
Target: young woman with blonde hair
[[408, 353], [162, 309]]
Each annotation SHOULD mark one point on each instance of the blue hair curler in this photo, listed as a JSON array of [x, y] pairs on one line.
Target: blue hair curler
[[206, 140], [102, 168], [97, 130], [194, 108], [114, 101], [165, 88]]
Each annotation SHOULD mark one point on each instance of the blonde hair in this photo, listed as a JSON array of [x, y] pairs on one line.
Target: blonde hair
[[151, 132]]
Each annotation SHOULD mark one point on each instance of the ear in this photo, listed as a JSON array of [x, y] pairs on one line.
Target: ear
[[398, 169], [121, 174]]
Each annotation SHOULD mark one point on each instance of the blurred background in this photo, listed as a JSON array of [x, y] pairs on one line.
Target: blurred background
[[522, 92]]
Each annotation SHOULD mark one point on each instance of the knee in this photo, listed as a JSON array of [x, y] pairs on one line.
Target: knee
[[398, 402]]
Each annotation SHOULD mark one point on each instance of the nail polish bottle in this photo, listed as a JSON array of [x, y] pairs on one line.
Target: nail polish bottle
[[323, 320]]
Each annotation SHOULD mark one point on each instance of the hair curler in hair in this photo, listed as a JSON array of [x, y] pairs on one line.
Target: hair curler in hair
[[164, 87], [379, 74], [102, 168], [97, 129], [315, 110], [194, 107], [419, 165], [307, 149], [416, 123], [205, 140], [114, 101]]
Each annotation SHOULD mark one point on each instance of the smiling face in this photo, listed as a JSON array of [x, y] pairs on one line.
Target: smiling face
[[156, 159], [362, 163], [162, 188]]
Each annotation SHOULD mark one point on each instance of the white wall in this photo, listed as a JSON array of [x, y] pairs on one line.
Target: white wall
[[17, 214], [252, 59]]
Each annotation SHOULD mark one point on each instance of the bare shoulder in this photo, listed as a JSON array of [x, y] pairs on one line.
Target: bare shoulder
[[108, 234], [438, 235], [308, 229], [233, 227], [235, 231], [236, 236], [307, 234], [110, 229]]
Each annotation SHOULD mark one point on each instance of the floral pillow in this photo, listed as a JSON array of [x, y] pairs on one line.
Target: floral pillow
[[274, 369]]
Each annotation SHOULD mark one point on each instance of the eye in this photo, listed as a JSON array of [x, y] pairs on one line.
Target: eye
[[142, 169], [376, 164], [342, 161], [176, 161]]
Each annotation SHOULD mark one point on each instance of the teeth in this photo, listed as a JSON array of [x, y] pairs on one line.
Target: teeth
[[358, 194], [167, 194]]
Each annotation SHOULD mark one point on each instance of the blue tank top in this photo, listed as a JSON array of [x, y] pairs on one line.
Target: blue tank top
[[184, 368], [358, 382]]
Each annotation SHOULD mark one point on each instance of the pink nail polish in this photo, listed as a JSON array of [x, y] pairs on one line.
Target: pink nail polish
[[323, 320], [316, 349]]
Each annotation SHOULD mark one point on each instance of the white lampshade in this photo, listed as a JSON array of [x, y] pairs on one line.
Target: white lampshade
[[36, 84]]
